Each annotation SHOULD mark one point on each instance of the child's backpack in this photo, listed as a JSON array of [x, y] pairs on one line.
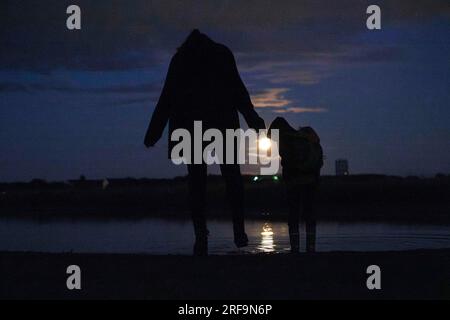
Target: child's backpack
[[309, 152]]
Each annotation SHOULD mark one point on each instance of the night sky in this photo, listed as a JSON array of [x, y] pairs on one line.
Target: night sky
[[79, 102]]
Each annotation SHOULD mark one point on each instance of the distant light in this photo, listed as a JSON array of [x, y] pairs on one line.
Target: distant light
[[275, 178], [265, 143], [256, 178]]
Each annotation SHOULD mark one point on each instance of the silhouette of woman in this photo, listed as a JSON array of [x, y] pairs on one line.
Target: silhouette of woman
[[203, 84]]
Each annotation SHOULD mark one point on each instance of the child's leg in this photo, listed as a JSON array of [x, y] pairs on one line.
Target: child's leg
[[310, 235], [307, 198], [294, 212]]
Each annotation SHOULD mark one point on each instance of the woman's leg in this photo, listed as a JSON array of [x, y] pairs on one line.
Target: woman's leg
[[235, 194], [197, 174]]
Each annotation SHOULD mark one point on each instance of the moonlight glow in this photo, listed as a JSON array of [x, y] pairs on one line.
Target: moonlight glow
[[265, 144]]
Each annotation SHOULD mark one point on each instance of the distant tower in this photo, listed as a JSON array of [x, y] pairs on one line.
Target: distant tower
[[342, 167]]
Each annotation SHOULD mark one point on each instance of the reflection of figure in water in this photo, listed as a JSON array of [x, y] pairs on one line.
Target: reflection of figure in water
[[203, 84], [301, 159]]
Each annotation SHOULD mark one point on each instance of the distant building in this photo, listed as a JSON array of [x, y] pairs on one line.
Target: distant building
[[342, 167]]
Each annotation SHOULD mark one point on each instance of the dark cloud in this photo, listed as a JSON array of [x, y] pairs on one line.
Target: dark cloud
[[12, 87], [119, 34], [39, 87], [301, 110], [133, 101], [276, 43]]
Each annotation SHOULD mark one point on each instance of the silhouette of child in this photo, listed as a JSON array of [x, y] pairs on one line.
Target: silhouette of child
[[301, 159]]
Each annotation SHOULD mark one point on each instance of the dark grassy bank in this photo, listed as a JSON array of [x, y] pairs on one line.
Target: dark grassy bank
[[423, 274], [359, 197]]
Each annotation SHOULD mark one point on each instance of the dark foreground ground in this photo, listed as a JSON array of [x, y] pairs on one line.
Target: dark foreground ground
[[423, 274]]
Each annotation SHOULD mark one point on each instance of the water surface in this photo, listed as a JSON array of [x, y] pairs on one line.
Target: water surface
[[159, 236]]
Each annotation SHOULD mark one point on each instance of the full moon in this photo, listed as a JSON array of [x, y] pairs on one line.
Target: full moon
[[265, 144]]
